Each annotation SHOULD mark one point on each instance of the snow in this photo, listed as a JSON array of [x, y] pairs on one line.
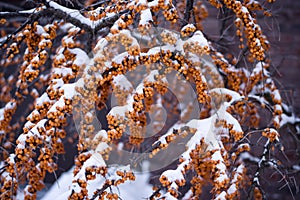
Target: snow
[[95, 160], [248, 156], [152, 76], [69, 90], [231, 120], [239, 170], [162, 139], [57, 83], [32, 132], [221, 196], [258, 42], [140, 88], [188, 26], [44, 41], [153, 3], [101, 147], [138, 189], [72, 28], [116, 24], [296, 167], [141, 2], [272, 130], [232, 189], [28, 124], [8, 106], [64, 71], [29, 69], [101, 44], [199, 38], [119, 111], [121, 80], [59, 104], [81, 57], [205, 128], [251, 2], [242, 145], [258, 68], [75, 14], [220, 166], [146, 17], [30, 11], [42, 99], [244, 9], [277, 119], [2, 114], [234, 95], [12, 158], [168, 196], [187, 195], [60, 189], [4, 38], [35, 59], [34, 112], [173, 175], [156, 50], [120, 57], [101, 133], [40, 30], [255, 180], [276, 95], [285, 119], [68, 40]]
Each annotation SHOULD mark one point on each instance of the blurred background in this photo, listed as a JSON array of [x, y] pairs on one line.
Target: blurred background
[[283, 31]]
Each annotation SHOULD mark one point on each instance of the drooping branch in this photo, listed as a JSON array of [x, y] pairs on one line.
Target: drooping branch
[[76, 18], [218, 138], [57, 11]]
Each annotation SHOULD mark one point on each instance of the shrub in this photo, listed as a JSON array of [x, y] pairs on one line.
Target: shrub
[[138, 81]]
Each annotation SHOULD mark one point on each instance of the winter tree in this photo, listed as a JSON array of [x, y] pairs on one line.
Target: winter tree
[[156, 108]]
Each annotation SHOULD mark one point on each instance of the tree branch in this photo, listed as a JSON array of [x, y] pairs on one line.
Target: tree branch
[[187, 13]]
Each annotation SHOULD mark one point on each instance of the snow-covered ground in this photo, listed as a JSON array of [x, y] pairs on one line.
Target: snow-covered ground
[[135, 190]]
